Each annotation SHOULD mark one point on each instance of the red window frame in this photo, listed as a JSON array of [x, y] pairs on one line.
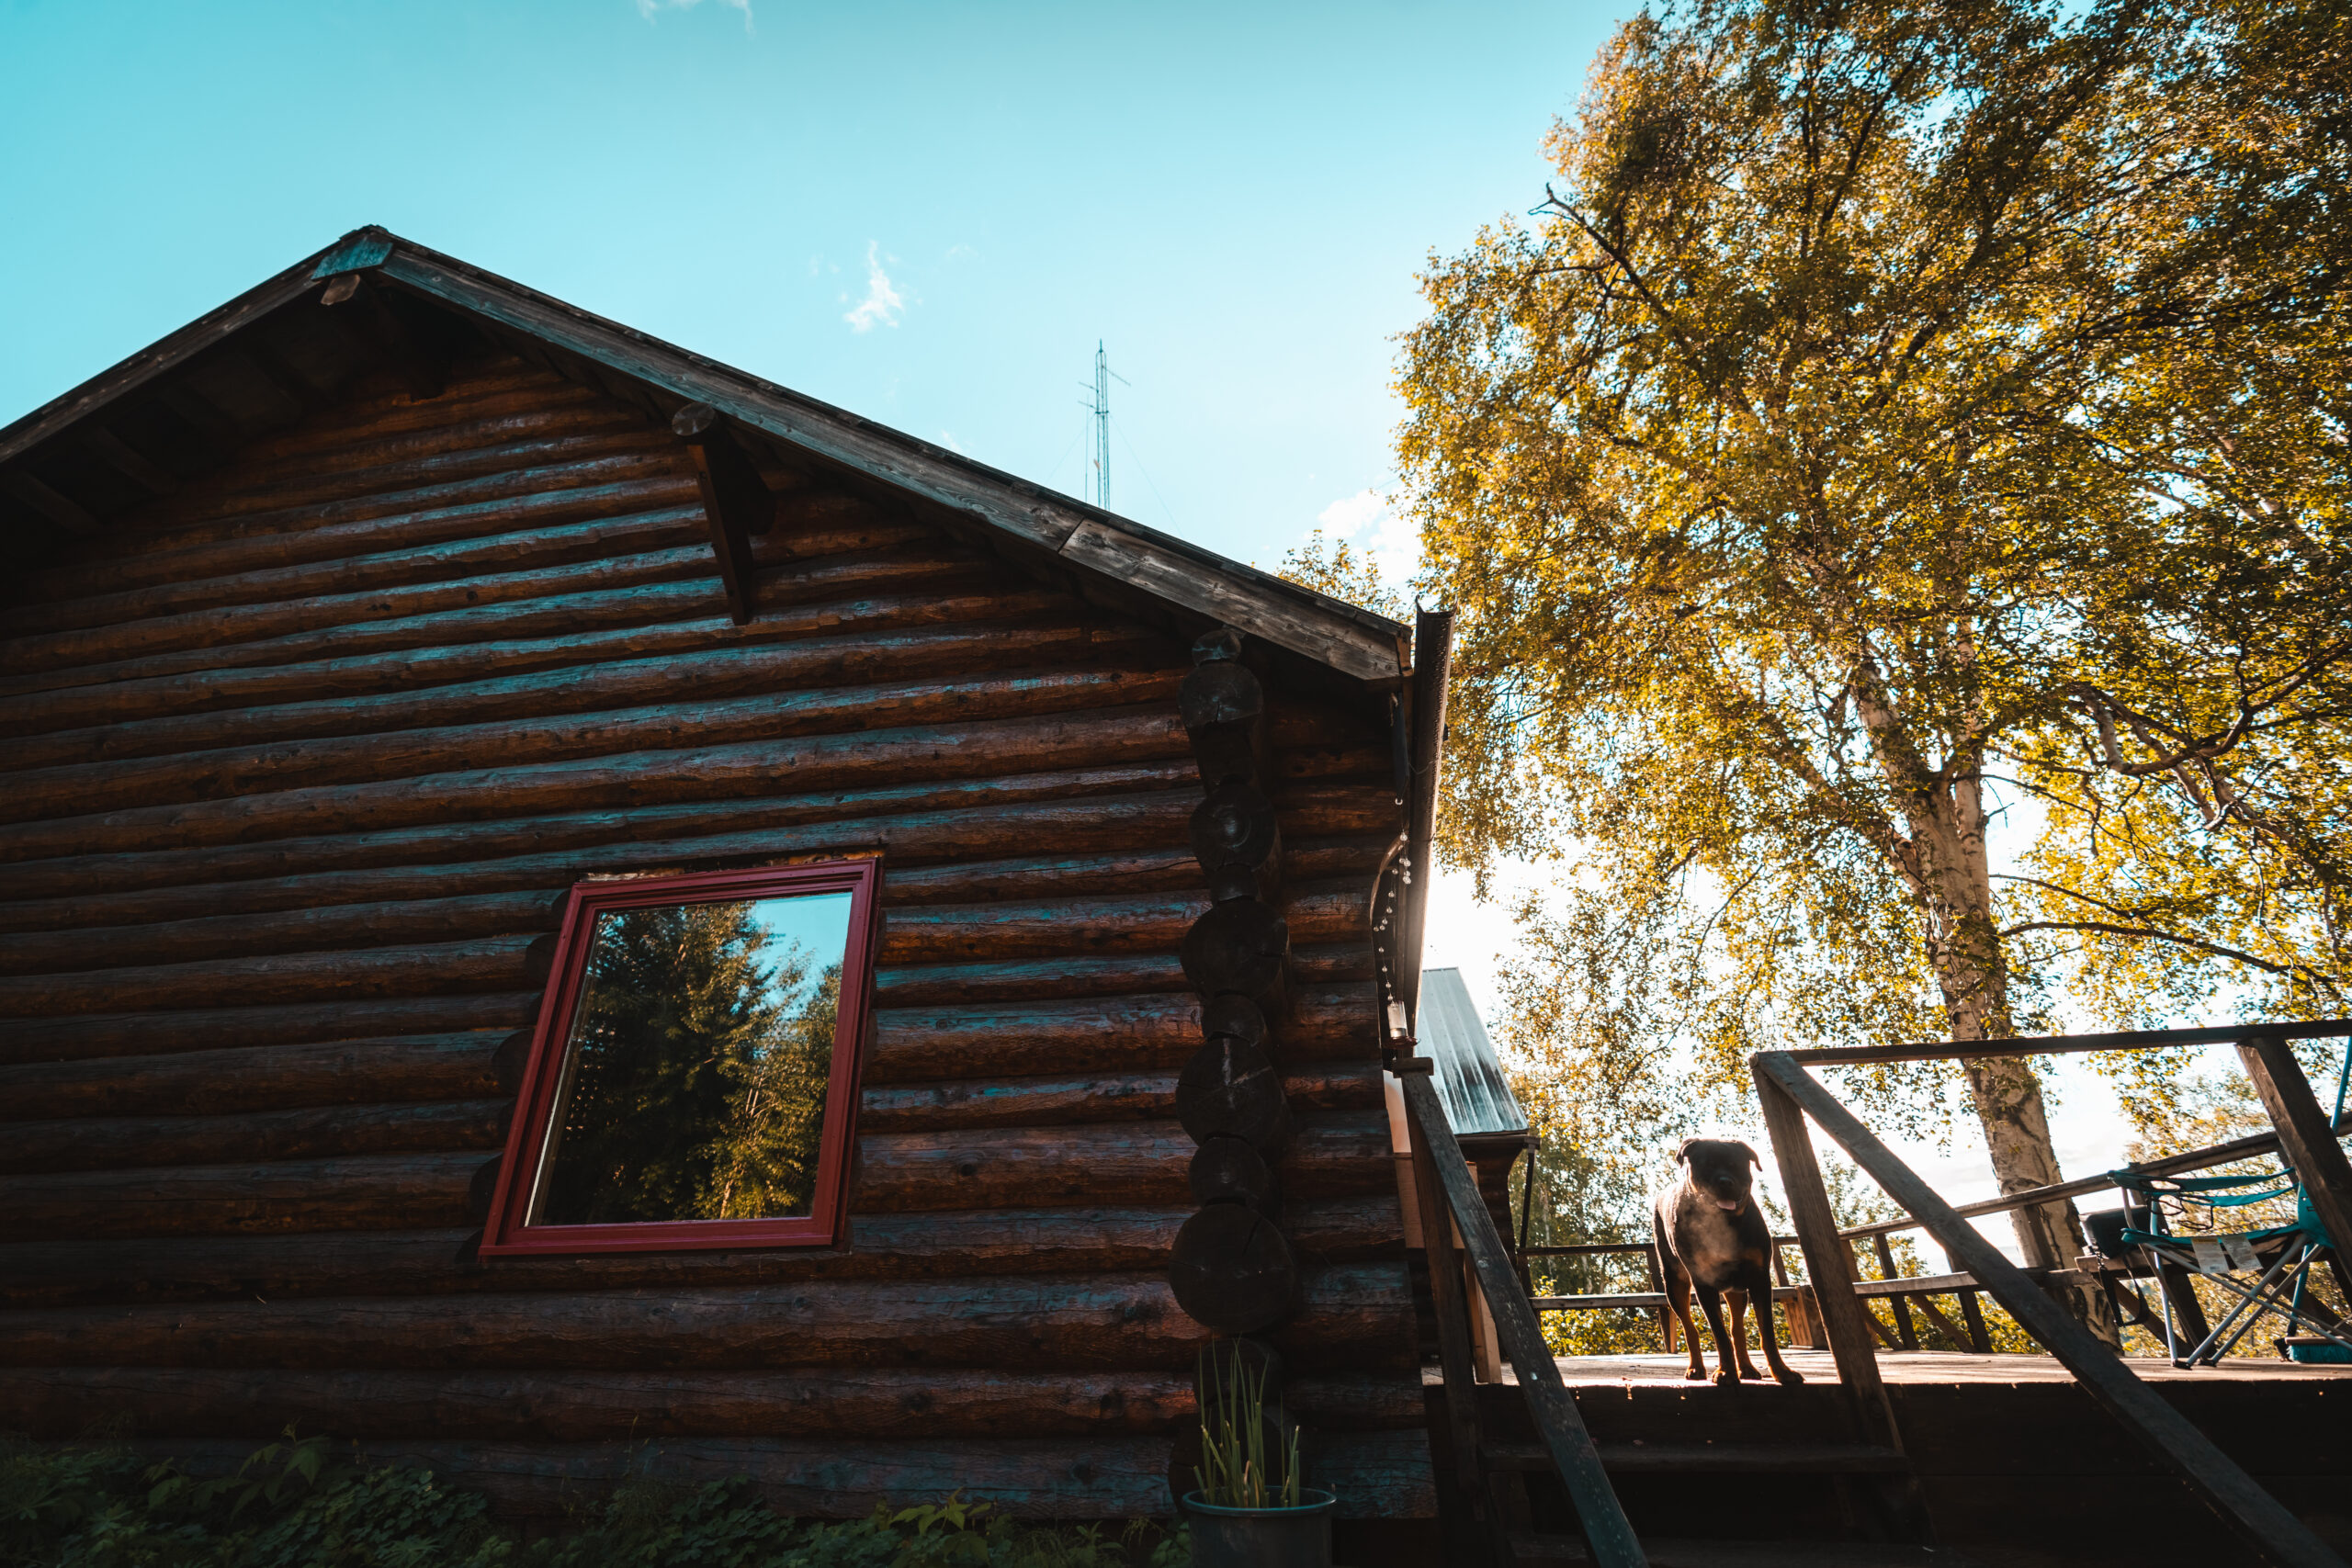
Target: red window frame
[[518, 1172]]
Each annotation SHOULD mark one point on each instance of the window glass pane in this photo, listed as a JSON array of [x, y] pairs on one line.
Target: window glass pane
[[694, 1079]]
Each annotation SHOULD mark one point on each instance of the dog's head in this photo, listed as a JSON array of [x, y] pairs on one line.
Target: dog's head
[[1721, 1169]]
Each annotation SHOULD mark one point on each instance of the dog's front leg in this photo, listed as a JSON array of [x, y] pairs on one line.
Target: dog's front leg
[[1711, 1302], [1678, 1296], [1762, 1291], [1738, 1300]]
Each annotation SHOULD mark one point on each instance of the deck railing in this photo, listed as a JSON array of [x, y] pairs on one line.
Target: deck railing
[[1794, 1100], [1450, 1207]]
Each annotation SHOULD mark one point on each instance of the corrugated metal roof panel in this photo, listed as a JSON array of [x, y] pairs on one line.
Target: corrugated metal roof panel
[[1469, 1075]]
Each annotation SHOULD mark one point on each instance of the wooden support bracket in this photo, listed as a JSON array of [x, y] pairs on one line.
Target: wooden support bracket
[[735, 500]]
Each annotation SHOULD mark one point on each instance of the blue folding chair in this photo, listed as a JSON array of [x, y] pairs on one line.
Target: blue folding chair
[[2185, 1219]]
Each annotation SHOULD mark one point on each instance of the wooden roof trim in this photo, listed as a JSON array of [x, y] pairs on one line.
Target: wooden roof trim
[[1354, 641], [208, 331], [1340, 636]]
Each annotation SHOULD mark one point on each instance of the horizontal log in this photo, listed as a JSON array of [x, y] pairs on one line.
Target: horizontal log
[[473, 436], [482, 964], [358, 522], [149, 1033], [255, 1114], [283, 932], [304, 964], [330, 625], [954, 984], [222, 918], [365, 429], [923, 1245], [512, 639], [65, 1402], [270, 1077], [636, 515], [1054, 731], [1356, 1318], [1332, 1155], [200, 576], [729, 695], [1109, 1096], [362, 1193], [923, 821], [1152, 1031], [130, 1141], [433, 611], [1332, 965], [1376, 1475], [944, 933], [401, 463]]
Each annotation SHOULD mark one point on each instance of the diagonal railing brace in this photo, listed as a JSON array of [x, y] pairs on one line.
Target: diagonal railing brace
[[2258, 1518], [1606, 1530]]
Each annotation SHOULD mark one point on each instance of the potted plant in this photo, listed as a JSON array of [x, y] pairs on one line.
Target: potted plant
[[1252, 1508]]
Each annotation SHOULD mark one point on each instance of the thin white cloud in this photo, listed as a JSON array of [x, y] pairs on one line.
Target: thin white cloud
[[1394, 544], [883, 304], [1344, 516], [648, 9]]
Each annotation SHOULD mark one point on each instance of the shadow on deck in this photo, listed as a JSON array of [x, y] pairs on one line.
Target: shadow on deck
[[2016, 1464]]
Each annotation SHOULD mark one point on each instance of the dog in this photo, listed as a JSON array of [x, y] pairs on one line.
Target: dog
[[1712, 1239]]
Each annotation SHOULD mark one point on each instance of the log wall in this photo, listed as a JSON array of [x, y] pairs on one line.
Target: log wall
[[298, 764]]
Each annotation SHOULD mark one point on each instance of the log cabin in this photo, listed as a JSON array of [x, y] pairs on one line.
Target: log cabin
[[387, 651]]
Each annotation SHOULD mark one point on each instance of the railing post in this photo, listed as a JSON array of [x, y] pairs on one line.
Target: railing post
[[1455, 1361], [1979, 1340], [1666, 1323], [1845, 1321], [2258, 1518], [2304, 1133], [1901, 1306], [1608, 1535]]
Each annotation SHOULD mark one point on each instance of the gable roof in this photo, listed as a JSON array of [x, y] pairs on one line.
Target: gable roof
[[278, 351]]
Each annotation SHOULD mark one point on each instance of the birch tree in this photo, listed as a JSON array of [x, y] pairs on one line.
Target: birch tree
[[1892, 410]]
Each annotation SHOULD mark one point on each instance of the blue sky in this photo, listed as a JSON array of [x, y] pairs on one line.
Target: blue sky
[[1235, 199]]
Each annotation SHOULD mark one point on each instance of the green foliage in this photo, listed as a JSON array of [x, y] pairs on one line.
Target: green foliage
[[1897, 407], [698, 1077], [1239, 1468], [291, 1504], [1336, 568]]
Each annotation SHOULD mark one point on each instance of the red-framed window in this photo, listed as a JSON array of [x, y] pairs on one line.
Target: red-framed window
[[693, 1080]]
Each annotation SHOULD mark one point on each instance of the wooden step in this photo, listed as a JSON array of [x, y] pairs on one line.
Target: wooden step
[[1713, 1459], [1749, 1553]]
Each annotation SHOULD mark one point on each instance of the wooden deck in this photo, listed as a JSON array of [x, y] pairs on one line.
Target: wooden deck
[[1942, 1367], [2016, 1464]]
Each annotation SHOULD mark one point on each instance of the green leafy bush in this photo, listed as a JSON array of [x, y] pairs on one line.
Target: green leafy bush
[[291, 1504]]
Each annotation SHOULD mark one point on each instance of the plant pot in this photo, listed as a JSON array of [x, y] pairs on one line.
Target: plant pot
[[1262, 1537]]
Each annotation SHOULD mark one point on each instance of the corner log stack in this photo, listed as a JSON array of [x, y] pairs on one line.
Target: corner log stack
[[1233, 1270], [296, 763]]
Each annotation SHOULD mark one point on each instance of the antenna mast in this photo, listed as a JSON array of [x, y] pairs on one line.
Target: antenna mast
[[1102, 427]]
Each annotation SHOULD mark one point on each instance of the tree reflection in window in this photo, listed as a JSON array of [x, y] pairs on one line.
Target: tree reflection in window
[[694, 1081]]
